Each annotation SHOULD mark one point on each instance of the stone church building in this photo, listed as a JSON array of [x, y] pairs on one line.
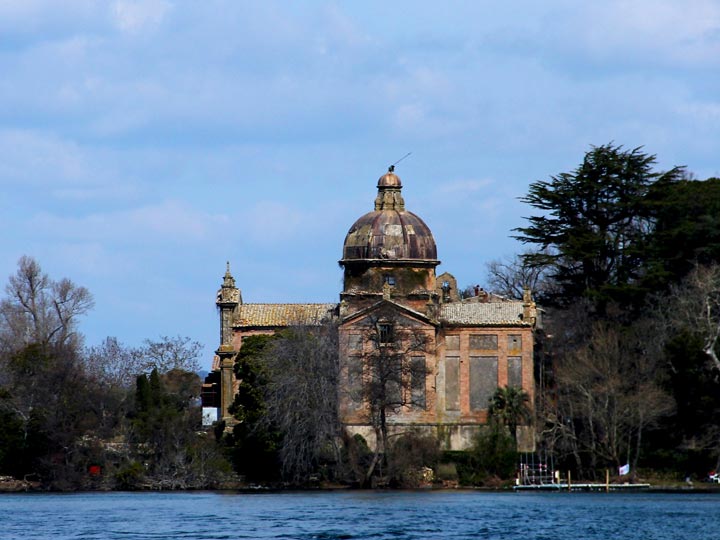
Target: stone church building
[[392, 297]]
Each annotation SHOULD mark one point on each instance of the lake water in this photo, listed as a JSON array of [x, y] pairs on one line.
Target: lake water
[[360, 514]]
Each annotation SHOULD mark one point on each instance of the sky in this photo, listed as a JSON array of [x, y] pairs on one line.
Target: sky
[[145, 143]]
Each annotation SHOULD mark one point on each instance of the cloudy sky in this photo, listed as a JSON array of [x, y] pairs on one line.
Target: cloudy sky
[[144, 143]]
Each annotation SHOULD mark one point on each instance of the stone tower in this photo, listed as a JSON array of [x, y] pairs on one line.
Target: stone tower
[[389, 253], [228, 299]]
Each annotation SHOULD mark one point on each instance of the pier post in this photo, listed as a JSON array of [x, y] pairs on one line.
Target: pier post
[[607, 480]]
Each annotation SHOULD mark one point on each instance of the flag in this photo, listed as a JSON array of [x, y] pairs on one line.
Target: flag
[[625, 469]]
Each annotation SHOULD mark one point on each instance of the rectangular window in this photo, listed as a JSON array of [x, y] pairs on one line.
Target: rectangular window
[[418, 376], [514, 342], [514, 374], [355, 381], [385, 333], [483, 342], [418, 342], [452, 383], [392, 377], [355, 342], [452, 343], [390, 280], [483, 381]]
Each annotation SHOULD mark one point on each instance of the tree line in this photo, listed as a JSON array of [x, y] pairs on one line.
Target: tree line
[[625, 261], [102, 417]]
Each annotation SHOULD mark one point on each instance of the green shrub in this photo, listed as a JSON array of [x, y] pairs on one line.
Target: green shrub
[[130, 476]]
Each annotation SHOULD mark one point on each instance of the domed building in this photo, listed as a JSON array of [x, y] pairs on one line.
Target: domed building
[[409, 344]]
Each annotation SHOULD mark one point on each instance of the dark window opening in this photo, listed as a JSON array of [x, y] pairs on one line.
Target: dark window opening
[[385, 333], [390, 280]]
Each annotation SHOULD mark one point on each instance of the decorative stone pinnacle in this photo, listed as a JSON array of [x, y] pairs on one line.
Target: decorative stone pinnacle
[[228, 292], [389, 196], [228, 280], [527, 295]]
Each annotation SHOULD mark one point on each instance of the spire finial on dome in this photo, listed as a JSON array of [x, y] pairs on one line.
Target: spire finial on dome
[[391, 168]]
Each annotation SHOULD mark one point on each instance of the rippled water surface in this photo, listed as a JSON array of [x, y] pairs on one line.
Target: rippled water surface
[[359, 514]]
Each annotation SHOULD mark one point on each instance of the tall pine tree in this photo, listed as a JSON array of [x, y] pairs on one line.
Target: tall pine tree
[[594, 226]]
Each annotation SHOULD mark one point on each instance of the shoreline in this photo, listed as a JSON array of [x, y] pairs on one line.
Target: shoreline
[[24, 486]]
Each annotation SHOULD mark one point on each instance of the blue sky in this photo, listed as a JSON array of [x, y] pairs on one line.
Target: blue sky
[[145, 143]]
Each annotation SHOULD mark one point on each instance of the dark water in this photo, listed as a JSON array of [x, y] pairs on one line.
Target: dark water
[[335, 515]]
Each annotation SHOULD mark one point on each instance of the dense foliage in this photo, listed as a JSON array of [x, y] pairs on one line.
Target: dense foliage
[[593, 233], [72, 418], [628, 367]]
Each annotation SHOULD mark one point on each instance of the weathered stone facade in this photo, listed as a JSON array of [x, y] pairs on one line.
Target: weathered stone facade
[[470, 346]]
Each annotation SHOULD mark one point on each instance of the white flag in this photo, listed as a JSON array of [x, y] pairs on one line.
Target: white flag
[[625, 469]]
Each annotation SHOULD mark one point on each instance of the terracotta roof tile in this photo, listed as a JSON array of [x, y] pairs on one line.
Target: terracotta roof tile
[[279, 315], [479, 314]]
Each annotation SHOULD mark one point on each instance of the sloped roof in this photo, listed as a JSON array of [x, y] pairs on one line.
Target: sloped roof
[[390, 304], [455, 313], [280, 315], [483, 314]]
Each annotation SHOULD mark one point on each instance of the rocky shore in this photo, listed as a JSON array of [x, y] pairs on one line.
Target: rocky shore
[[10, 484]]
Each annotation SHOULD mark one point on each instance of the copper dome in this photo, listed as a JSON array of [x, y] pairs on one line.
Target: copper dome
[[389, 232], [389, 179]]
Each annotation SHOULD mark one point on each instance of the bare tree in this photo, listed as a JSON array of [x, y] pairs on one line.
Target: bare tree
[[510, 276], [689, 317], [695, 303], [301, 397], [115, 364], [608, 394], [171, 353], [38, 310], [394, 370]]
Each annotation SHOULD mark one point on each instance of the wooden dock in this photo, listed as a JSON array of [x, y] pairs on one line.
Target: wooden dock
[[581, 486]]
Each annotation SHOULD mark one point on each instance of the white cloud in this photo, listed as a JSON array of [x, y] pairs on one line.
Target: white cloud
[[704, 113], [170, 221], [128, 125], [38, 159], [24, 23], [40, 170], [653, 31], [134, 16]]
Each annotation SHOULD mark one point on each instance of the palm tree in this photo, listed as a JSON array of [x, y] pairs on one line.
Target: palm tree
[[509, 406]]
